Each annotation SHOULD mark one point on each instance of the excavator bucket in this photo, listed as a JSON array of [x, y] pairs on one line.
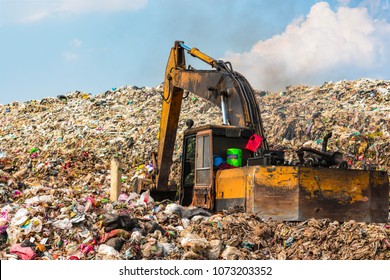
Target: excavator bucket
[[293, 193]]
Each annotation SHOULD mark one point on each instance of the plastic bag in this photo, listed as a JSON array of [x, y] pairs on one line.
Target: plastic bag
[[197, 219], [106, 252], [174, 208], [3, 221], [168, 248], [231, 253], [33, 225], [145, 198], [15, 234], [152, 248], [20, 217], [185, 222], [215, 249], [77, 219], [63, 224], [123, 197], [194, 242], [36, 224], [39, 199], [24, 253], [136, 236]]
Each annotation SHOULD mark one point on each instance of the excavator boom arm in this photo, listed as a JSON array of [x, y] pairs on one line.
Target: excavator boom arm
[[223, 87]]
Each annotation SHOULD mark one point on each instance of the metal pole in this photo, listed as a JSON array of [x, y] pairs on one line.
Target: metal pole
[[223, 107]]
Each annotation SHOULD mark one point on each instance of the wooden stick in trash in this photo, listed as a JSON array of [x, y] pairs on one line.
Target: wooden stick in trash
[[116, 179]]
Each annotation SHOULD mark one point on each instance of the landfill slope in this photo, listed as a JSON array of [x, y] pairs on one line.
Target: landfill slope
[[356, 112], [55, 176]]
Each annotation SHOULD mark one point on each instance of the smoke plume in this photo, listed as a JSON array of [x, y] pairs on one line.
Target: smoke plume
[[325, 45]]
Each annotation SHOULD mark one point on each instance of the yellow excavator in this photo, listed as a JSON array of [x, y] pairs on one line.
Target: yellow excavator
[[256, 179]]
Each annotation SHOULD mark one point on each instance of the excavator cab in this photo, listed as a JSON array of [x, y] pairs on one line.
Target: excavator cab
[[200, 148]]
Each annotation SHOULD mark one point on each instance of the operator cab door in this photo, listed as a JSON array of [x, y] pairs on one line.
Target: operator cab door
[[204, 177]]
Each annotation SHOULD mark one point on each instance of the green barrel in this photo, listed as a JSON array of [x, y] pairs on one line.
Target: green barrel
[[234, 157]]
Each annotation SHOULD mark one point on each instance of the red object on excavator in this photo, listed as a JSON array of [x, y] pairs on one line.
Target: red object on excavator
[[254, 143]]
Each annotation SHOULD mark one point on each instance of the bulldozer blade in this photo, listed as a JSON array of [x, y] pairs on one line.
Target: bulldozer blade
[[292, 193], [344, 194]]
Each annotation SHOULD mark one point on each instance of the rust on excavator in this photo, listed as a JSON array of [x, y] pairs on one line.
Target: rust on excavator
[[293, 193], [171, 105], [354, 195]]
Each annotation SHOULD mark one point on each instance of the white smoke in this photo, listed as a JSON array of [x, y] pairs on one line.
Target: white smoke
[[325, 45]]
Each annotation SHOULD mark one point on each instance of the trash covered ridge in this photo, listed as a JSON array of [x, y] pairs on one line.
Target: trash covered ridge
[[55, 177]]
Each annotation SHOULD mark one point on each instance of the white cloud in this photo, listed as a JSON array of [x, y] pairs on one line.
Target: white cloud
[[81, 6], [325, 45], [36, 10], [37, 16], [377, 8], [73, 53], [75, 43], [70, 56]]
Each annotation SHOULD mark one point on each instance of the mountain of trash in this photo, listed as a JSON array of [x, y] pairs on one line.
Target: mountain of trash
[[55, 176]]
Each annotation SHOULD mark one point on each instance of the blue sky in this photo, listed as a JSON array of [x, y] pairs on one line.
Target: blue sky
[[54, 47]]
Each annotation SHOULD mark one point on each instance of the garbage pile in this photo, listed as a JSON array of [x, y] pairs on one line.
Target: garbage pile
[[55, 177], [356, 112], [135, 228], [74, 136]]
